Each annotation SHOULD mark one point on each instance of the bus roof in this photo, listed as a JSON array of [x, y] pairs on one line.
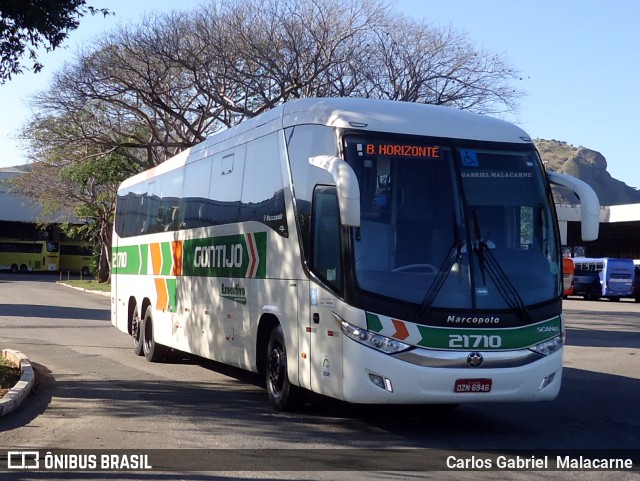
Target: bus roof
[[371, 115], [401, 118]]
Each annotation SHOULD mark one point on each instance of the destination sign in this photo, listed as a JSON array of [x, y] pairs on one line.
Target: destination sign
[[403, 150]]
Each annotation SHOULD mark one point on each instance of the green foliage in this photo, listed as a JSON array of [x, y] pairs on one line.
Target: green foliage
[[26, 25], [9, 376], [144, 93]]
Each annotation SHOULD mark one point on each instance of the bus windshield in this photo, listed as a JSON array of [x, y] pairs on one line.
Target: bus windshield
[[444, 225]]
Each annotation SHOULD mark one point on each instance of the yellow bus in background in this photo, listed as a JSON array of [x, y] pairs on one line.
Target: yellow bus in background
[[75, 257], [29, 256]]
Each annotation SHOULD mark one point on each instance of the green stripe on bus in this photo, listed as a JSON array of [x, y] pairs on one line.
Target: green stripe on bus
[[374, 323], [172, 287], [167, 259], [144, 258], [126, 260], [489, 339], [226, 256]]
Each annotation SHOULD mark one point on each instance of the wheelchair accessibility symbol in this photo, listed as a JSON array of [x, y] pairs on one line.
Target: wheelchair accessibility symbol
[[469, 158]]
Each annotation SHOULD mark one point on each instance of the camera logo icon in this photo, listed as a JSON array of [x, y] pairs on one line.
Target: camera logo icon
[[23, 460]]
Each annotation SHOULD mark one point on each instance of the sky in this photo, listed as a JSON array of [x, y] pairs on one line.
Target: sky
[[578, 60]]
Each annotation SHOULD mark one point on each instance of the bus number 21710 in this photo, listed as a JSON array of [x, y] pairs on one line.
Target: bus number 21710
[[463, 341]]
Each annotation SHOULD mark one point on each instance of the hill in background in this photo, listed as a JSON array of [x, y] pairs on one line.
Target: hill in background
[[589, 166]]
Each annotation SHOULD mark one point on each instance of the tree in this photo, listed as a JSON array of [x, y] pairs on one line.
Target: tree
[[146, 92], [168, 83], [26, 25], [83, 189]]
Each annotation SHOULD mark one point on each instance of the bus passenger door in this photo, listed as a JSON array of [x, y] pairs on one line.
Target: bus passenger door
[[326, 336], [304, 334]]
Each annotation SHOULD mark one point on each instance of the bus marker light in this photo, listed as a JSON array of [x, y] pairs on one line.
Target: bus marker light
[[387, 384], [381, 382], [546, 381]]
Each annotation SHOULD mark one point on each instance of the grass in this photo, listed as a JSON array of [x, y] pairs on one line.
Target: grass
[[91, 285], [9, 376]]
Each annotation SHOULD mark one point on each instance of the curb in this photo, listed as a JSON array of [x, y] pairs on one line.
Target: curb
[[100, 293], [22, 389]]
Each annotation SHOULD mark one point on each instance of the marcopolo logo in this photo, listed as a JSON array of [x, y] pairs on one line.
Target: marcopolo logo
[[473, 320]]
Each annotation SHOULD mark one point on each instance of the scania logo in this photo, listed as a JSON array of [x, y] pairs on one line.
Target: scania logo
[[474, 359]]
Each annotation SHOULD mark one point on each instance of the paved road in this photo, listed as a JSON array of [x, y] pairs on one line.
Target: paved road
[[93, 392]]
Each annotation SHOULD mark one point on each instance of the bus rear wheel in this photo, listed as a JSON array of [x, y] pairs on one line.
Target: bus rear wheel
[[136, 332], [153, 352], [14, 268], [282, 394]]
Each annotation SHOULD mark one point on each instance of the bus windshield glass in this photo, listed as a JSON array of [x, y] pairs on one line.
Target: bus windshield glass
[[445, 226]]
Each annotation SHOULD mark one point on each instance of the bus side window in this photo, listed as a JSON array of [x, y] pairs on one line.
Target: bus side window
[[325, 258]]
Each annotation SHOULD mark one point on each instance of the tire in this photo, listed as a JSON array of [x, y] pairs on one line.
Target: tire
[[14, 268], [153, 352], [282, 394], [136, 332], [24, 269], [86, 272]]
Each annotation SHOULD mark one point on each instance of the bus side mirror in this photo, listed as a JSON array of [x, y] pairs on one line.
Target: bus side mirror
[[346, 186], [589, 203]]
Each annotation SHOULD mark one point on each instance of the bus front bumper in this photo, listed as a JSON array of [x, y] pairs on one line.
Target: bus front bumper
[[372, 377]]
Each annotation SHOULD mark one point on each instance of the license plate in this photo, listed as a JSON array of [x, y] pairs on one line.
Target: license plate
[[473, 385]]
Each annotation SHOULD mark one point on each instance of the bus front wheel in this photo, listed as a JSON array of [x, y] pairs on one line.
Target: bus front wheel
[[153, 351], [282, 394]]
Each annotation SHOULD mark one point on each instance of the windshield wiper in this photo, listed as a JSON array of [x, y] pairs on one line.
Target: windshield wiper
[[453, 256], [489, 264]]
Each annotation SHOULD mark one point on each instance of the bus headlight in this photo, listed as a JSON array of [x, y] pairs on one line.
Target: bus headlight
[[371, 339], [549, 346]]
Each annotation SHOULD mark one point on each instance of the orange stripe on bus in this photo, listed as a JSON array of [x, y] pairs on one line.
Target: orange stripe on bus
[[156, 258], [176, 248], [163, 296]]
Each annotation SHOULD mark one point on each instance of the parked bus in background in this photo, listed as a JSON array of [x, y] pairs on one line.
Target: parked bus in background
[[28, 256], [567, 277], [372, 251], [76, 257], [603, 277], [636, 281]]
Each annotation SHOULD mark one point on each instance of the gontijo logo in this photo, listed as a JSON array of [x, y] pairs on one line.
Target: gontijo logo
[[239, 256]]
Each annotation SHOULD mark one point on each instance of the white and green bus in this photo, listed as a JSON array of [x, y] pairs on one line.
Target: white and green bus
[[370, 251]]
